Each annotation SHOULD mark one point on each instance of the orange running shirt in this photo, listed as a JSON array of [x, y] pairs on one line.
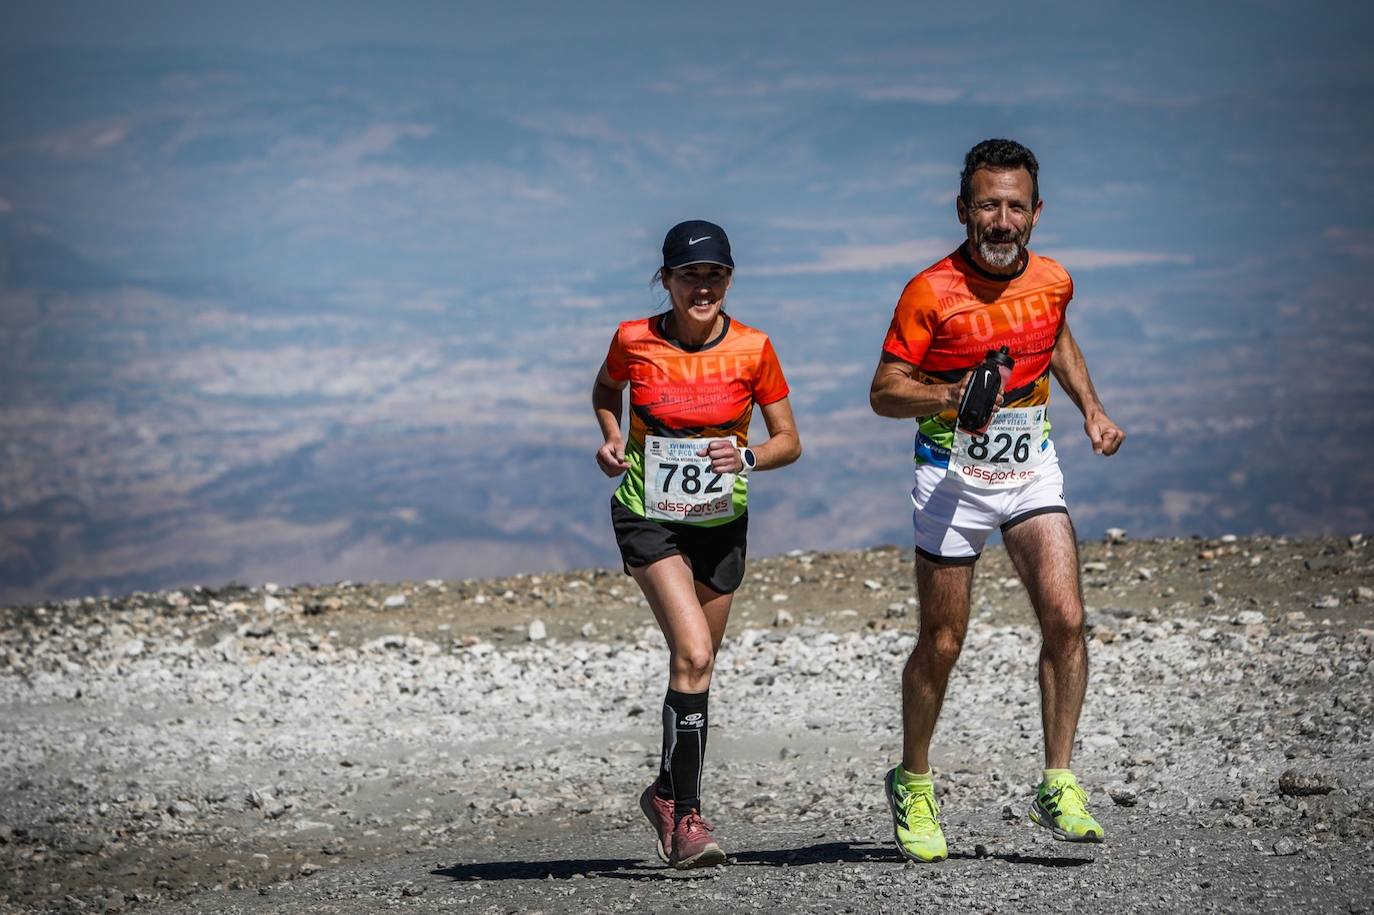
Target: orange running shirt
[[681, 391], [952, 313]]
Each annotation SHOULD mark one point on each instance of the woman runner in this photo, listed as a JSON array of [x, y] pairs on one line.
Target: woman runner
[[679, 514]]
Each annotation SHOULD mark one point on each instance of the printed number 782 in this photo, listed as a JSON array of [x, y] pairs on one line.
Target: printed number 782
[[690, 481]]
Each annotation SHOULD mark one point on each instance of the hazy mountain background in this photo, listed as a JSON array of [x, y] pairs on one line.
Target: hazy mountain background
[[319, 293]]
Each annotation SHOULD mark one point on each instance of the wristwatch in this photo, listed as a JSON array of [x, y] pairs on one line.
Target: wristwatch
[[747, 456]]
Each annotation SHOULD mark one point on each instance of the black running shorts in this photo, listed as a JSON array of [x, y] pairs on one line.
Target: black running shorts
[[715, 554]]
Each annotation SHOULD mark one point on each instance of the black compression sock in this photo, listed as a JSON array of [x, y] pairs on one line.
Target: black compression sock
[[684, 748]]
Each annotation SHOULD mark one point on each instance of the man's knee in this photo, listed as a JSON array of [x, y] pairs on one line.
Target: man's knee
[[1062, 629], [938, 645]]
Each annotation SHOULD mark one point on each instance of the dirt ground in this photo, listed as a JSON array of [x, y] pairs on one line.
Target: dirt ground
[[181, 751]]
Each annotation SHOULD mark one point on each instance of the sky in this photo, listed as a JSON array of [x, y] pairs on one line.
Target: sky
[[373, 140], [230, 231]]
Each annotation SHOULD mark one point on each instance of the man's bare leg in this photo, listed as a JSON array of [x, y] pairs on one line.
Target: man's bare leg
[[943, 591], [1045, 553]]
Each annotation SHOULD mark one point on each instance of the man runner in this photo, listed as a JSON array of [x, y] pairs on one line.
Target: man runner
[[991, 292]]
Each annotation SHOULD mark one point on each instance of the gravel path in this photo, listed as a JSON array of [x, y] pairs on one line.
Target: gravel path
[[191, 752]]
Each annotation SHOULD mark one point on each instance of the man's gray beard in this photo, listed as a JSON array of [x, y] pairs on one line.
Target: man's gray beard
[[1001, 254]]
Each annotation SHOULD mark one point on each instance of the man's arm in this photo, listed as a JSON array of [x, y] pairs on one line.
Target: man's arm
[[1071, 371], [896, 392]]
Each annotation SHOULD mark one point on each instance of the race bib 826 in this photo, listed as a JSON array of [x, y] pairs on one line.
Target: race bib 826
[[1006, 454]]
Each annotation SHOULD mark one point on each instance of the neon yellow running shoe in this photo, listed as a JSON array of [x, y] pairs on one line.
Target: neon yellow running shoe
[[1060, 806], [915, 819]]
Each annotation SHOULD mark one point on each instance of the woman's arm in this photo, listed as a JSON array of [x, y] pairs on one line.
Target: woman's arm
[[608, 402], [782, 448]]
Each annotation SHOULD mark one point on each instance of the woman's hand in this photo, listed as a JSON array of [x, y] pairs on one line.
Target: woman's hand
[[610, 457], [725, 457]]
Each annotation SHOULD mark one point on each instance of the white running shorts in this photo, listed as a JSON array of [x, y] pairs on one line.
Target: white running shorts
[[953, 520]]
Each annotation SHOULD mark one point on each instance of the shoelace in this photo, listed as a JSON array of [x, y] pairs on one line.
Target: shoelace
[[693, 822], [1072, 799], [919, 809]]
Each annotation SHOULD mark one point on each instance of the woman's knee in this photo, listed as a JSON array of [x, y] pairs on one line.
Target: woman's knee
[[695, 662]]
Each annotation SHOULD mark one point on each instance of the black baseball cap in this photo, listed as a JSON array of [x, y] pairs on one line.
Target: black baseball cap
[[696, 241]]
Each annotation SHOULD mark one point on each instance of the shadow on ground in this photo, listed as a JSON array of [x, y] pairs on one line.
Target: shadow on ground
[[638, 868], [621, 868]]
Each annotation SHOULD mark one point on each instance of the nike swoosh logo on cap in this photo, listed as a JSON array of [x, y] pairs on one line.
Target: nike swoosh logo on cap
[[693, 241]]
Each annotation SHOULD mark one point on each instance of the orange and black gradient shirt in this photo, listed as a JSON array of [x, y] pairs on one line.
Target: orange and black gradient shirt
[[949, 316], [683, 391]]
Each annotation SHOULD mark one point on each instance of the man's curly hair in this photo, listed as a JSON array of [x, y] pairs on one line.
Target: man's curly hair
[[999, 154]]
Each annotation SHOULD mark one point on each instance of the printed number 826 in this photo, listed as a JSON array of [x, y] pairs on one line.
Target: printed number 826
[[980, 448]]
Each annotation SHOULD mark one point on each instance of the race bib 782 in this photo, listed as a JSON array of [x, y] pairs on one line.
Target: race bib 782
[[681, 486]]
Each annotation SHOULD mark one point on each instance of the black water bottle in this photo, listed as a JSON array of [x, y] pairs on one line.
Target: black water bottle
[[980, 397]]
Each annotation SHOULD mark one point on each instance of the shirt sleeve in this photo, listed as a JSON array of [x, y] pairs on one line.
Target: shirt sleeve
[[617, 365], [769, 384], [914, 323]]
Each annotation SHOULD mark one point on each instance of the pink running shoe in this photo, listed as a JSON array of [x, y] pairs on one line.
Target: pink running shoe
[[693, 845], [659, 812]]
